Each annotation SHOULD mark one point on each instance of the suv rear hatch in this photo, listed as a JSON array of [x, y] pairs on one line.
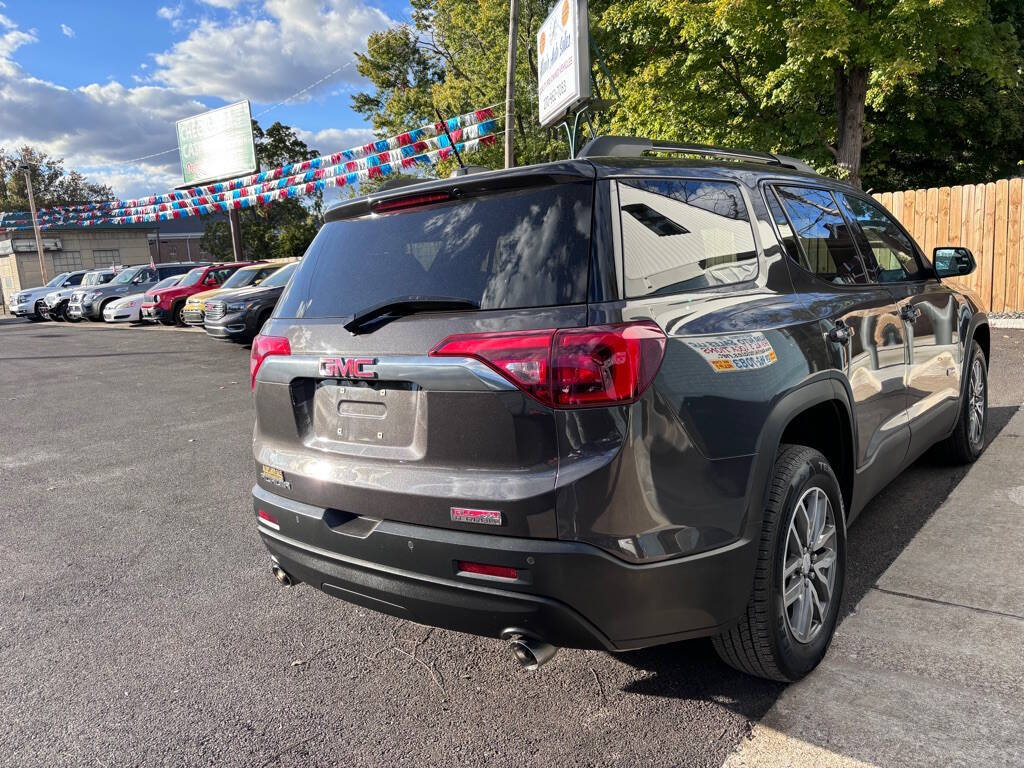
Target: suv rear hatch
[[361, 405]]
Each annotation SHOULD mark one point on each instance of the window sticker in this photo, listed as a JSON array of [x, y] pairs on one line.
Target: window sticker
[[739, 352]]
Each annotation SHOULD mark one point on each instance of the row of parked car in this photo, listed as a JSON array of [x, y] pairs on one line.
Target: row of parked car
[[230, 300]]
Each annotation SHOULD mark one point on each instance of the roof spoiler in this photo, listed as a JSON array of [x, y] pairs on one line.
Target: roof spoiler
[[628, 146]]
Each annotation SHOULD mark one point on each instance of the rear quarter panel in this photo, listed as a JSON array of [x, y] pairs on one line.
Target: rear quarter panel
[[682, 471]]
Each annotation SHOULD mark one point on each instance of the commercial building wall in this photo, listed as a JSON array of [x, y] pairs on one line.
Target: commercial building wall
[[80, 249], [177, 248]]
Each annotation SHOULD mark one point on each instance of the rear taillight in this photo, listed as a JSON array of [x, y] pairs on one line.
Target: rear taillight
[[262, 348], [571, 368]]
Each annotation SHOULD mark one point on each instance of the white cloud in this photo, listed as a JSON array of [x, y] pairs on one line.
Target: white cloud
[[96, 128], [291, 44], [67, 31], [222, 3], [13, 38], [332, 140]]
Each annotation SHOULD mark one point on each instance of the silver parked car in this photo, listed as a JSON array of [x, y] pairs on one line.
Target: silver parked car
[[57, 301], [30, 303]]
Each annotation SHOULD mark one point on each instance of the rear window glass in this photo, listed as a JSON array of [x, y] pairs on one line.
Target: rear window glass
[[527, 248], [684, 235]]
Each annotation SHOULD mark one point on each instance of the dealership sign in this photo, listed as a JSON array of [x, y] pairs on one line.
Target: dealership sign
[[217, 145], [563, 56]]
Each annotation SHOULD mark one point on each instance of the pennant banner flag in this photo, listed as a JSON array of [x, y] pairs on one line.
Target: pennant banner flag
[[391, 151], [254, 199], [405, 157]]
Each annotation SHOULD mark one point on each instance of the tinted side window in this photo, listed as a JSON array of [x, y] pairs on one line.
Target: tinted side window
[[75, 279], [683, 235], [888, 253], [824, 236], [785, 230], [218, 276]]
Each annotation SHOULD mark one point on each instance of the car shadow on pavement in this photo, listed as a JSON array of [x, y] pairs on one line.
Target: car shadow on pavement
[[692, 669]]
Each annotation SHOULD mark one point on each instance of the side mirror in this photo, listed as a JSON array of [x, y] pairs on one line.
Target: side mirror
[[953, 262]]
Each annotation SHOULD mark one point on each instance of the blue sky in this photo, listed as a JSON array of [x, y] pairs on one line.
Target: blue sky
[[102, 83]]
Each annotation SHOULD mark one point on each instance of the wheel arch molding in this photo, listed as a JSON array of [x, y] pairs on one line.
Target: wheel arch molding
[[798, 417]]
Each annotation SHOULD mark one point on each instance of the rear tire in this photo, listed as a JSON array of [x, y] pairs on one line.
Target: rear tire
[[801, 559], [967, 442]]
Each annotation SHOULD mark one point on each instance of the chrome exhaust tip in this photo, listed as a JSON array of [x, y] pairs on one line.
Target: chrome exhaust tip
[[282, 576], [531, 654]]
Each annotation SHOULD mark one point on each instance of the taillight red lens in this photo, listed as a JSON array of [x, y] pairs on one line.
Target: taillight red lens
[[572, 368], [262, 348], [522, 358], [499, 571]]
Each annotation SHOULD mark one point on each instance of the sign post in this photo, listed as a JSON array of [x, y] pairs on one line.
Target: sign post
[[563, 64], [510, 80], [218, 145]]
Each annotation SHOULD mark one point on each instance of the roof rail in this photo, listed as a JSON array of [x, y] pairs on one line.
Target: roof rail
[[628, 146]]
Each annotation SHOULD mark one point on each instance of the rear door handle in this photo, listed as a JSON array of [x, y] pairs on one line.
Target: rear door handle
[[840, 333], [910, 313]]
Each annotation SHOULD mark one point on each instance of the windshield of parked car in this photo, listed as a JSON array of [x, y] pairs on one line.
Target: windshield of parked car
[[242, 278], [125, 276], [280, 277], [191, 278], [167, 282], [57, 280]]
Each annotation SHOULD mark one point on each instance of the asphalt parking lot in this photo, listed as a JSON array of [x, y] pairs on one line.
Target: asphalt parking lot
[[139, 623]]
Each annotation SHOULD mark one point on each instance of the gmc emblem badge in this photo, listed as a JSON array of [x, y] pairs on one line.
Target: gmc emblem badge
[[347, 367]]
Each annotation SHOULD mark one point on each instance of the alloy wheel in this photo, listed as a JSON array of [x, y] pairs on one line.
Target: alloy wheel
[[809, 565], [976, 404]]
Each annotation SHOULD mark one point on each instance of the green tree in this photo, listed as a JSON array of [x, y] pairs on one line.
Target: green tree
[[283, 229], [884, 91], [452, 58], [812, 77], [51, 183]]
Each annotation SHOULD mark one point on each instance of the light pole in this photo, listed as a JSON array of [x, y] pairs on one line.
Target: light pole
[[510, 80], [35, 221]]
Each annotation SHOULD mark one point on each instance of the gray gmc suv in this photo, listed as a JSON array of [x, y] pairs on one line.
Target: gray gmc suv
[[608, 403]]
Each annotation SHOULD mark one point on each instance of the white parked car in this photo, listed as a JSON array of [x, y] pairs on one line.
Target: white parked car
[[128, 309]]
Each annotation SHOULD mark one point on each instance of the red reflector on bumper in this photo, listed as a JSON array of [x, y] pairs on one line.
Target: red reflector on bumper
[[499, 571], [268, 520]]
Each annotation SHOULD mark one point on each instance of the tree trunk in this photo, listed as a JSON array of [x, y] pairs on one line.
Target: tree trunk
[[851, 85]]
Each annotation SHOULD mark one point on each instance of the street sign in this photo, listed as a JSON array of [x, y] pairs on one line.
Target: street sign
[[563, 56], [217, 144]]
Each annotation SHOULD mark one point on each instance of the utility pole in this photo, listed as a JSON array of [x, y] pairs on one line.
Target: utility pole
[[236, 234], [35, 221], [510, 80]]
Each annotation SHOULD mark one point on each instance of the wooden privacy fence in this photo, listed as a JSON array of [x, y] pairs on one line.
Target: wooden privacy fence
[[987, 218]]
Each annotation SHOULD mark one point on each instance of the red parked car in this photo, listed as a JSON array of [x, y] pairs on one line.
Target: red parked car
[[167, 305]]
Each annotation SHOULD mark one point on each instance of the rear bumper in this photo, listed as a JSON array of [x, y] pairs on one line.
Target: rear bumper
[[568, 594]]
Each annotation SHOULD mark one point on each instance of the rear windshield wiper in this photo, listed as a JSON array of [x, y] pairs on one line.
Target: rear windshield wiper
[[372, 318]]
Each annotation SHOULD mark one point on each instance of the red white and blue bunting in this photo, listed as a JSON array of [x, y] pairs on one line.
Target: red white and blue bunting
[[420, 147]]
